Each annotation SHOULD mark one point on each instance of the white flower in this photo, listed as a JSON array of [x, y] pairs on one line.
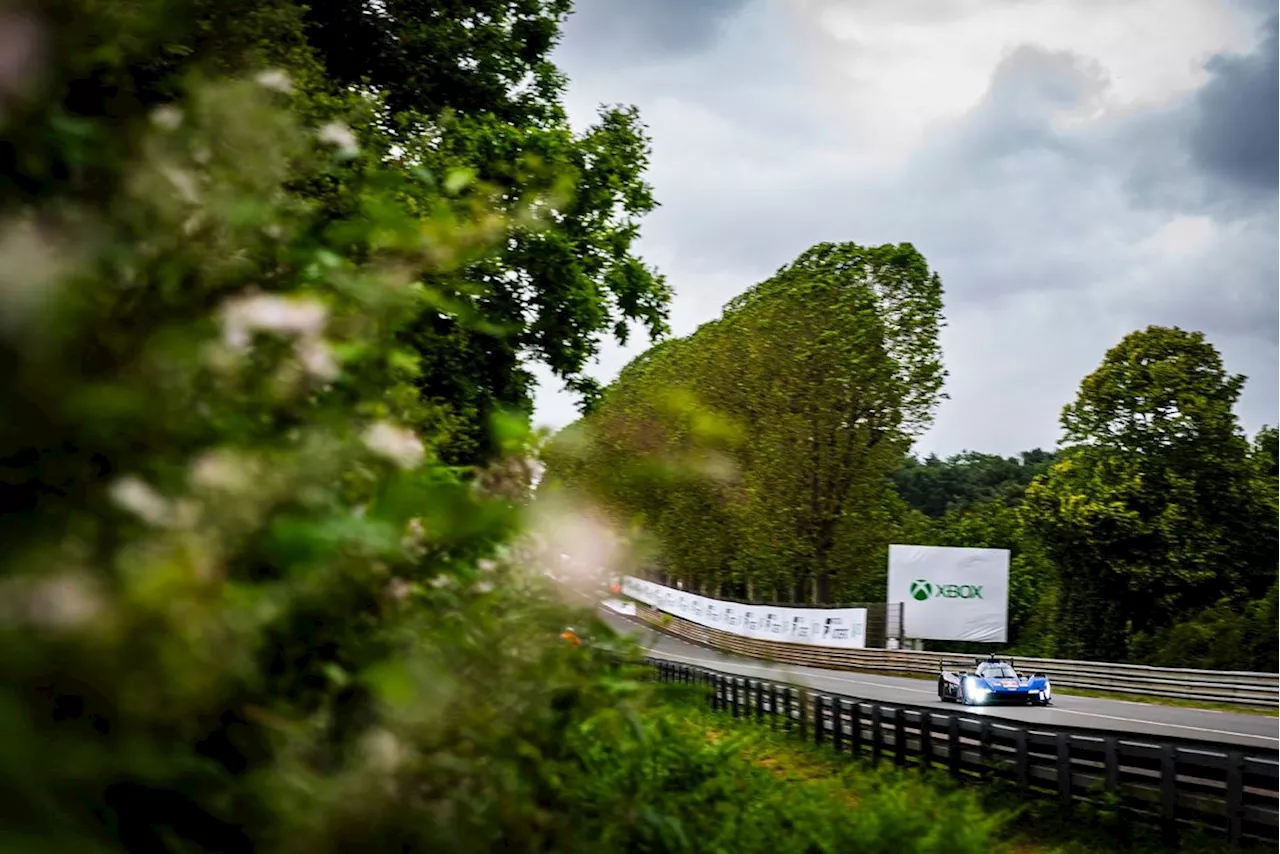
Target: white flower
[[168, 117], [383, 751], [62, 602], [398, 588], [244, 315], [275, 80], [394, 443], [29, 275], [222, 470], [340, 137], [316, 357], [134, 495], [183, 182]]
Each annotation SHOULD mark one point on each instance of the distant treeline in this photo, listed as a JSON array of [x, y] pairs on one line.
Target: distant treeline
[[767, 457]]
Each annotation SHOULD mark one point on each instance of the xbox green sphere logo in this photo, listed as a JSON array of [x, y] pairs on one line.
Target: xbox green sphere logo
[[923, 589]]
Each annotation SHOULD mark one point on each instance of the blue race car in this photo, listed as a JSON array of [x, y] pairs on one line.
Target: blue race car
[[993, 681]]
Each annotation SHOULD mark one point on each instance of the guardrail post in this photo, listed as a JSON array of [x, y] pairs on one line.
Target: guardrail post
[[953, 745], [773, 706], [877, 733], [718, 687], [926, 738], [899, 738], [837, 726], [1235, 796], [737, 697], [759, 701], [1111, 755], [1021, 759], [819, 718], [1063, 742], [786, 706], [984, 746], [1169, 792], [803, 698]]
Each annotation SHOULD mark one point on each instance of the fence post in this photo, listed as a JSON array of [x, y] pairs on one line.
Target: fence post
[[819, 722], [1169, 792], [926, 738], [984, 746], [877, 733], [1063, 743], [837, 726], [786, 710], [1235, 796], [953, 746], [802, 696], [773, 706], [855, 728], [899, 738], [759, 701], [1021, 760], [1111, 753]]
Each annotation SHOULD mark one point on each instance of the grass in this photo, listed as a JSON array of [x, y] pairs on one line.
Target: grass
[[894, 797]]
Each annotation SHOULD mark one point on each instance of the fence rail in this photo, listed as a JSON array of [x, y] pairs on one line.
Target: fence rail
[[1172, 783], [1241, 688]]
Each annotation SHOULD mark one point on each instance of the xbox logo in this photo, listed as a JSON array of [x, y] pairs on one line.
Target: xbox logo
[[921, 589]]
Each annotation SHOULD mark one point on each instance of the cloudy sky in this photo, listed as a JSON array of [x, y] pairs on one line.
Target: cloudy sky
[[1073, 169]]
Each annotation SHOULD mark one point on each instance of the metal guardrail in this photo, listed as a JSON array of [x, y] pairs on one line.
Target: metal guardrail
[[1169, 782], [1238, 687]]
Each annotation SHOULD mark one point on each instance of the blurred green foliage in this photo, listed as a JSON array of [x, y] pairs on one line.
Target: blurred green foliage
[[262, 484]]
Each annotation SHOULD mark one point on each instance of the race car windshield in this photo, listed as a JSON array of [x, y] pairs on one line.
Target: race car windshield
[[999, 671]]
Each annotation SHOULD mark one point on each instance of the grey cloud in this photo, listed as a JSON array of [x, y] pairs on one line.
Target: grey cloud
[[1234, 117], [646, 29]]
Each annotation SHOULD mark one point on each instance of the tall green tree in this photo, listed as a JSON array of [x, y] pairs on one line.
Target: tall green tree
[[1155, 508], [469, 90], [824, 372]]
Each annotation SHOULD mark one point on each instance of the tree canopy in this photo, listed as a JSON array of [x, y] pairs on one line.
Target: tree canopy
[[796, 403], [1155, 508]]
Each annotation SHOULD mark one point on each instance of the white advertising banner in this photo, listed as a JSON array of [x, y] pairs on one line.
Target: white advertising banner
[[950, 593], [845, 628]]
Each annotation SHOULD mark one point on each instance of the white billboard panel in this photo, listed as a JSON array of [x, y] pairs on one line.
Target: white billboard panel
[[845, 628], [951, 593]]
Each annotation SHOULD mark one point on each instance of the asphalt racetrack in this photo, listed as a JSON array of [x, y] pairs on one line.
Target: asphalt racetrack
[[1122, 716]]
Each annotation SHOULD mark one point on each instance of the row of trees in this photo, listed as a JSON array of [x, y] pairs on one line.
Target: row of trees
[[757, 451], [1149, 535]]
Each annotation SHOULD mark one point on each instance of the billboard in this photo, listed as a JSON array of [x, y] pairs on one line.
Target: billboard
[[950, 593], [844, 628]]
